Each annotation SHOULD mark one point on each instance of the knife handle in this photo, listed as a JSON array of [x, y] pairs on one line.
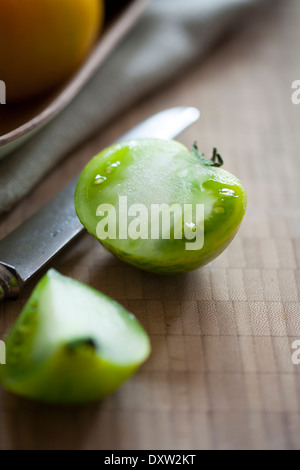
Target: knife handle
[[9, 284]]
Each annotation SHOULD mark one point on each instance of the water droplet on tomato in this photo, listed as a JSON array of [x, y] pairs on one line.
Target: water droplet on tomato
[[227, 192], [191, 225], [99, 179], [115, 164]]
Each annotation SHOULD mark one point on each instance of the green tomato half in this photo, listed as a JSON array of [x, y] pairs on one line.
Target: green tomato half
[[158, 206], [71, 344]]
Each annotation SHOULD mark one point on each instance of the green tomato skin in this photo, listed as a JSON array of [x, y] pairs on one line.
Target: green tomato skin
[[68, 367], [152, 171]]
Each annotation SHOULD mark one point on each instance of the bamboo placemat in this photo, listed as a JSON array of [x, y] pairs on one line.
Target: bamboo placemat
[[220, 375]]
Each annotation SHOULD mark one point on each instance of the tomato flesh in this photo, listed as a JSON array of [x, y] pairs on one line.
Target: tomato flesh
[[151, 172]]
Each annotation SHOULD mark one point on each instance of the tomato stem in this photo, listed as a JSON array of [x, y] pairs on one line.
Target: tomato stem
[[216, 159]]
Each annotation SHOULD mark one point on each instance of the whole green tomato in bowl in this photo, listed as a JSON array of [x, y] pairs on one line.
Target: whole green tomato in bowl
[[159, 206]]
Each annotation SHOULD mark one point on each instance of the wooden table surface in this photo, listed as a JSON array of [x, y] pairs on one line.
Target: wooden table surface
[[220, 375]]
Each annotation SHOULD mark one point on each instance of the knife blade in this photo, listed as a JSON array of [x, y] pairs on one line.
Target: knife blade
[[35, 242]]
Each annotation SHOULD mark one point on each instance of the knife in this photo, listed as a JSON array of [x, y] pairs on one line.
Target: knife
[[34, 243]]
